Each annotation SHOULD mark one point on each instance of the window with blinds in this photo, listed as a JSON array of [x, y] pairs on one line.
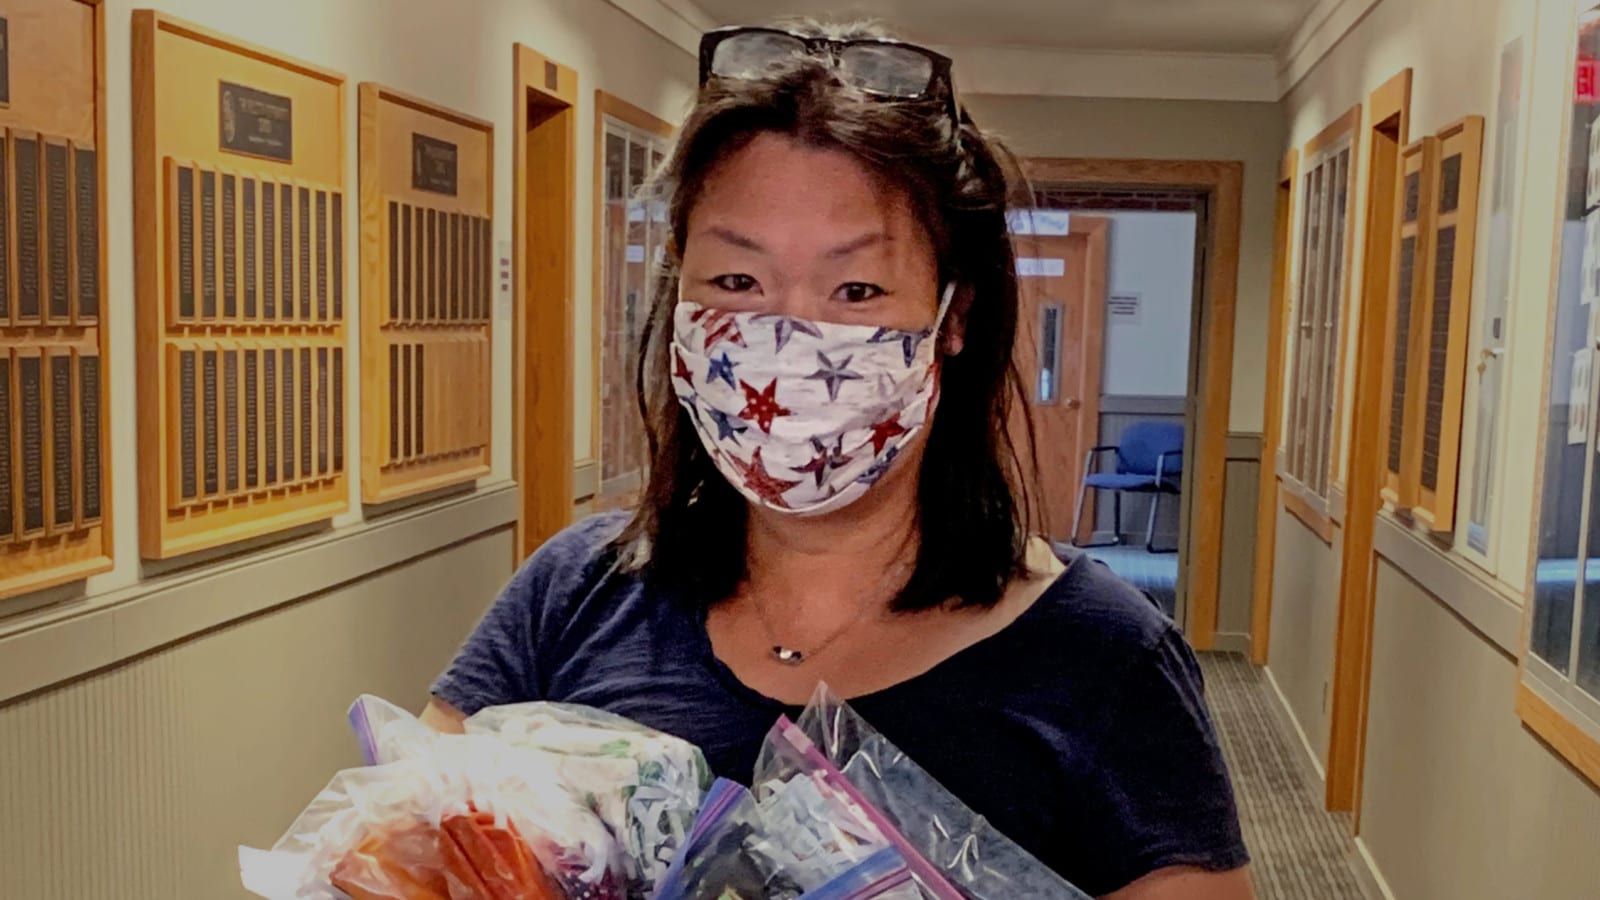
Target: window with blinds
[[1310, 450]]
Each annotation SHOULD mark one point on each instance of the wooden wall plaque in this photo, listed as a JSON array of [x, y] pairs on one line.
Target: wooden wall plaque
[[426, 236], [1419, 166], [55, 523], [238, 212]]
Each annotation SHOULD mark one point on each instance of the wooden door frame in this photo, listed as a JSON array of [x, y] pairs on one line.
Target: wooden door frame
[[1272, 421], [1389, 123], [545, 97], [1222, 184]]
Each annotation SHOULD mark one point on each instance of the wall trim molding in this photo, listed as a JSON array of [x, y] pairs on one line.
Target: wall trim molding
[[1142, 405], [71, 639], [585, 481], [1370, 878], [1475, 598], [1306, 760], [1244, 446], [680, 22], [1323, 28], [1232, 642]]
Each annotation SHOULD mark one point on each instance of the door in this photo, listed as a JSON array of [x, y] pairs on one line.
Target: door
[[1061, 280]]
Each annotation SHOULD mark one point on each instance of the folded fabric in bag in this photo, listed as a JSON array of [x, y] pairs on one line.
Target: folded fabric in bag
[[645, 786], [983, 863]]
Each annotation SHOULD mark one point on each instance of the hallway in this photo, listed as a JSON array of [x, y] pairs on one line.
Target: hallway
[[1298, 851]]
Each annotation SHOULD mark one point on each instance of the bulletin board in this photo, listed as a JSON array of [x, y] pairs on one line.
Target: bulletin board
[[55, 516], [240, 274], [427, 198]]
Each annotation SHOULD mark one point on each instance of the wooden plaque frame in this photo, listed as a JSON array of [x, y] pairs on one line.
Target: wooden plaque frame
[[203, 240], [56, 111], [1463, 140], [428, 301], [1420, 159]]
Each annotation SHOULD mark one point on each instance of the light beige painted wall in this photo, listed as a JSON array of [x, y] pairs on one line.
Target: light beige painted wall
[[1237, 572], [1460, 801], [1173, 129], [139, 782], [457, 53], [1305, 613]]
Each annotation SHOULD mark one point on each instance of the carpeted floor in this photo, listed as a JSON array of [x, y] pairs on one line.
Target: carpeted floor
[[1299, 851]]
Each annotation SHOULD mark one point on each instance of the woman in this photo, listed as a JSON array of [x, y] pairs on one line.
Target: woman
[[827, 380]]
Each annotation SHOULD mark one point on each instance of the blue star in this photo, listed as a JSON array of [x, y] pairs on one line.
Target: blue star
[[878, 469], [723, 369], [833, 375], [825, 461], [908, 341], [728, 427], [787, 326]]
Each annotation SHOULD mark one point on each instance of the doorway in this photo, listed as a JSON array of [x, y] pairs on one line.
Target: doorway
[[1207, 194], [545, 163]]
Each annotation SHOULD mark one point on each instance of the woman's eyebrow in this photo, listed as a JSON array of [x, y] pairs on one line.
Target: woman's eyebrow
[[858, 244], [854, 245]]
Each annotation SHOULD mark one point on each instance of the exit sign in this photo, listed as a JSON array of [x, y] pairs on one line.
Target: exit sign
[[1588, 81]]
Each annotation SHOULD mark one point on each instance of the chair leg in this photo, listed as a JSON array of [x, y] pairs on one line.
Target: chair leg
[[1150, 529], [1116, 521], [1077, 515], [1077, 521]]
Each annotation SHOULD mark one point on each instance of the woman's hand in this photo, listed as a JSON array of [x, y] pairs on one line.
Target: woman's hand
[[1182, 883], [443, 718]]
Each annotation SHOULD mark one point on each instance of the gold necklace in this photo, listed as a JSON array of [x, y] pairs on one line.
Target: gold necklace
[[794, 656]]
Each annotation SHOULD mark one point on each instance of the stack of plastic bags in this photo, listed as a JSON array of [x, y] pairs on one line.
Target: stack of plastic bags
[[548, 802]]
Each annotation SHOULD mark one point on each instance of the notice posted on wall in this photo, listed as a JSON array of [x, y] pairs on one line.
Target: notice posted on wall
[[1123, 308], [1578, 397]]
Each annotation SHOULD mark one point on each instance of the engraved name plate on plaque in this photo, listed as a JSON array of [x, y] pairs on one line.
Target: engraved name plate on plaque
[[188, 427], [252, 435], [251, 289], [322, 256], [338, 256], [405, 401], [8, 513], [28, 263], [394, 402], [59, 235], [419, 419], [61, 442], [452, 310], [303, 262], [322, 411], [209, 416], [433, 165], [431, 291], [208, 245], [89, 431], [269, 251], [286, 251], [230, 417], [394, 260], [5, 61], [338, 409], [230, 247], [286, 413], [406, 295], [255, 123], [31, 384], [86, 187], [304, 383], [186, 286], [485, 268], [269, 429]]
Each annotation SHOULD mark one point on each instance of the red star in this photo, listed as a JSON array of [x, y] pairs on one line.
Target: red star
[[721, 326], [885, 431], [758, 479], [681, 367], [762, 406]]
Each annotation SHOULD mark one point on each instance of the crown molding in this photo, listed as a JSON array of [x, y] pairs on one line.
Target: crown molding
[[1324, 26], [1115, 74], [679, 21]]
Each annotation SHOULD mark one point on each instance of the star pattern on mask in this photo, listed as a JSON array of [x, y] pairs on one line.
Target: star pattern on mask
[[728, 427], [881, 466], [785, 327], [886, 431], [909, 341], [722, 369], [680, 367], [826, 461], [723, 326], [833, 374], [761, 405], [761, 482]]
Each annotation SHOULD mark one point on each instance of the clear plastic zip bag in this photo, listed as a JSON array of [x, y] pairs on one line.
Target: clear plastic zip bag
[[971, 853]]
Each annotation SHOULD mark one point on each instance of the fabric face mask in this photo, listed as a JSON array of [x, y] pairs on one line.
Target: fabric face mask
[[800, 416]]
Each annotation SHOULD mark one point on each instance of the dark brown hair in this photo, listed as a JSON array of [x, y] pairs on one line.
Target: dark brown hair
[[688, 533]]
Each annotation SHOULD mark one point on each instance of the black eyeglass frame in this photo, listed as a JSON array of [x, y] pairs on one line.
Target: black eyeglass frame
[[939, 87]]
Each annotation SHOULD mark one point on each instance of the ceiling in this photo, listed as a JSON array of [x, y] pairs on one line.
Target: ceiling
[[1173, 26]]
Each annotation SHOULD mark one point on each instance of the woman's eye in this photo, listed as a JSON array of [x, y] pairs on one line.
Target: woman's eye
[[859, 292], [734, 284]]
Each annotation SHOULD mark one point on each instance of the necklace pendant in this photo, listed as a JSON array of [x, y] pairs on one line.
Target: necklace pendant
[[787, 656]]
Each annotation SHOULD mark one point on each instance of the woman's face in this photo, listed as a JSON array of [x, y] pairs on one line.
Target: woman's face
[[793, 230]]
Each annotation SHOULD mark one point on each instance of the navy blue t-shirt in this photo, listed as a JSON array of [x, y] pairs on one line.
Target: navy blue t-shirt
[[1079, 730]]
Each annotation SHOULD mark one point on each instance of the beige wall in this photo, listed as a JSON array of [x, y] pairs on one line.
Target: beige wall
[[1305, 613], [1460, 801], [1173, 129]]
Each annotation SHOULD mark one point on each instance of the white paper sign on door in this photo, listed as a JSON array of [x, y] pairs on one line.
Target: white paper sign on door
[[1035, 267]]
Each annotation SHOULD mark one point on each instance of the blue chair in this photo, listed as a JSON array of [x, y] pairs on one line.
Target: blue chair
[[1149, 461]]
